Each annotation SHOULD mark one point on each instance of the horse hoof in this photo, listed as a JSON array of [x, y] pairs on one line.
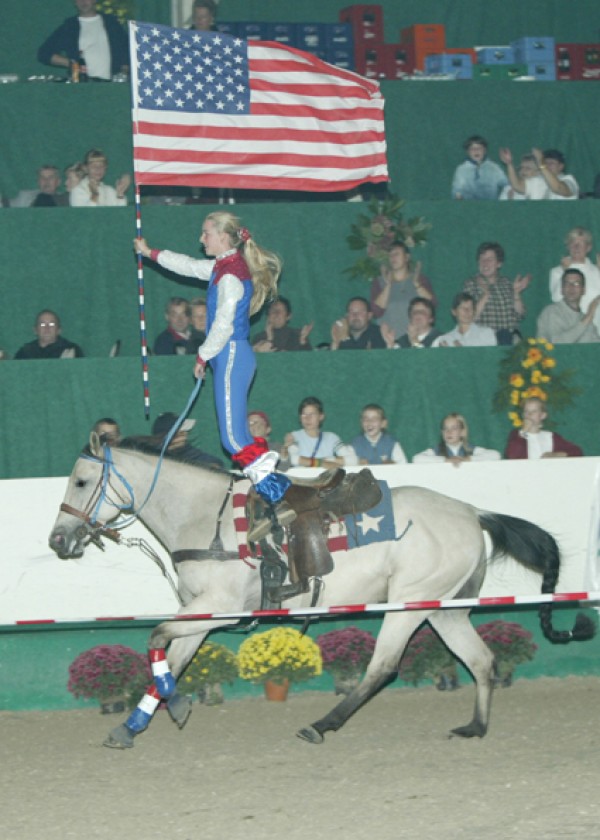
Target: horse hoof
[[180, 708], [472, 730], [310, 734], [119, 738]]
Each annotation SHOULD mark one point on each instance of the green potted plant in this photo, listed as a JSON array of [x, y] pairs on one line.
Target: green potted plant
[[346, 654], [212, 666], [277, 658], [114, 675], [427, 658], [511, 644]]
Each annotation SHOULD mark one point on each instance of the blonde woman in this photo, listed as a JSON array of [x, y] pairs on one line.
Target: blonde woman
[[242, 276], [454, 446]]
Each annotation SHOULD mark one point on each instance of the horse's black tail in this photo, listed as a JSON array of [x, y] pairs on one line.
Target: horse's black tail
[[536, 549]]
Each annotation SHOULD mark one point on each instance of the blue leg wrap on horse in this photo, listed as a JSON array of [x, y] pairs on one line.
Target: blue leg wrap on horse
[[141, 716], [272, 488], [165, 683]]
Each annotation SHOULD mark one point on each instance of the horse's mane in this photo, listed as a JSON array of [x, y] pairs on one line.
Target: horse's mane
[[151, 445]]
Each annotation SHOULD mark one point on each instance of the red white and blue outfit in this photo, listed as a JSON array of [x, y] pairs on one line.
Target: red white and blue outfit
[[228, 351]]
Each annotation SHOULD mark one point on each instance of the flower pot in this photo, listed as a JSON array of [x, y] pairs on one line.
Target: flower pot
[[211, 695], [113, 705], [276, 691]]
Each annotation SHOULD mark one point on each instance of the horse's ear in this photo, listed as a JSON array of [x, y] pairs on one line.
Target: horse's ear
[[95, 445]]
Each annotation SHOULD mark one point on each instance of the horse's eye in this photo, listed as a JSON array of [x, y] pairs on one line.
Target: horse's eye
[[80, 483]]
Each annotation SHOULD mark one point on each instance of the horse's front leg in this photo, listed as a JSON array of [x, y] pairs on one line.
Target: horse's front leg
[[395, 632], [185, 637]]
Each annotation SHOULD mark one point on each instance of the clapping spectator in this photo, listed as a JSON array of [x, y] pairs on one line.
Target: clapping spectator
[[466, 333], [478, 177], [91, 191], [421, 331], [278, 335], [579, 245], [401, 280], [527, 169], [356, 332], [564, 322], [550, 181], [49, 343], [454, 447]]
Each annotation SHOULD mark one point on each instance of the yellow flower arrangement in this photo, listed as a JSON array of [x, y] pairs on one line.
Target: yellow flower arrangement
[[279, 654], [212, 664], [527, 371], [122, 9]]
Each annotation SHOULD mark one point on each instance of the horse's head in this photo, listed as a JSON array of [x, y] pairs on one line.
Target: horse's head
[[95, 495]]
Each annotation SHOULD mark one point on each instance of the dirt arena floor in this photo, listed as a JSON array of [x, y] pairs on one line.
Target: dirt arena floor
[[238, 772]]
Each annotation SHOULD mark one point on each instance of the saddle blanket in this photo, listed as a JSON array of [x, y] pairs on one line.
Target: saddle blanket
[[353, 531]]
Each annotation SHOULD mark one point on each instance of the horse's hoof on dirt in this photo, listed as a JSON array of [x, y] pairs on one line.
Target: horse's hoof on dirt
[[180, 708], [470, 731], [119, 738], [310, 734]]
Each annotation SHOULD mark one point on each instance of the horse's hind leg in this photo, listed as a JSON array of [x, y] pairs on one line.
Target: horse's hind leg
[[457, 632], [396, 630]]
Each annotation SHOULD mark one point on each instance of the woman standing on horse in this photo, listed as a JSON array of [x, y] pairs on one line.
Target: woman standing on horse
[[242, 276]]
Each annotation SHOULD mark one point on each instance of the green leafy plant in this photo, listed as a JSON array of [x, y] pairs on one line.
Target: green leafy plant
[[279, 654], [376, 232], [529, 370]]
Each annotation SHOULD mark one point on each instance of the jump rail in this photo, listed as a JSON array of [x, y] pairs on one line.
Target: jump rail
[[348, 609]]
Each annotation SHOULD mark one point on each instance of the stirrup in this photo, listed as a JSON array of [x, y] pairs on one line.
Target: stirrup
[[283, 515]]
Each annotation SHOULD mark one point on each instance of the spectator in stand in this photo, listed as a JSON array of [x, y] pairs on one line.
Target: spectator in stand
[[260, 427], [204, 13], [91, 191], [197, 325], [564, 322], [356, 332], [421, 331], [90, 37], [527, 169], [533, 441], [466, 333], [73, 175], [179, 446], [375, 445], [550, 181], [454, 447], [49, 343], [498, 301], [400, 282], [108, 431], [478, 177], [174, 341], [278, 335], [579, 244], [310, 446], [47, 194]]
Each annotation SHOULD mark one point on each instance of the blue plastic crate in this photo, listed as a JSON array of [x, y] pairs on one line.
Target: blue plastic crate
[[455, 64], [311, 37], [538, 49], [341, 58], [542, 71], [495, 55], [339, 36], [228, 28], [282, 33]]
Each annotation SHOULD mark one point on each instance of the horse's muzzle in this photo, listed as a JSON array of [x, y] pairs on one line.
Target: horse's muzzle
[[68, 546]]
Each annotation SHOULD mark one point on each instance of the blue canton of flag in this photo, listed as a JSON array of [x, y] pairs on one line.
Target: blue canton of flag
[[375, 525], [190, 71]]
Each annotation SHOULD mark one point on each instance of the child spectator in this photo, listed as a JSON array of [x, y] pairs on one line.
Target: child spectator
[[533, 441], [310, 446], [454, 446], [477, 177], [375, 445]]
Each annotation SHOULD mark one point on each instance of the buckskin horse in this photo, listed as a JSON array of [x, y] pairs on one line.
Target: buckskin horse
[[438, 553]]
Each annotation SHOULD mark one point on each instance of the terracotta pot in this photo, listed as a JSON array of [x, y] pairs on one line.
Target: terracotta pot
[[276, 691]]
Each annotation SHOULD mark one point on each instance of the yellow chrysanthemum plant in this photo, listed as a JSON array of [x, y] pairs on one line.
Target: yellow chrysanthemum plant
[[213, 664], [529, 369], [280, 654], [121, 9]]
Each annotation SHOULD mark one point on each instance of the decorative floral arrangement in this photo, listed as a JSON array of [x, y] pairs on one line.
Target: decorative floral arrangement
[[529, 370], [510, 643], [121, 9], [376, 232], [212, 664], [427, 658], [346, 652], [107, 671], [279, 654]]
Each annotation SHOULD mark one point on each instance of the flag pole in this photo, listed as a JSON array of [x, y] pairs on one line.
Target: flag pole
[[138, 222]]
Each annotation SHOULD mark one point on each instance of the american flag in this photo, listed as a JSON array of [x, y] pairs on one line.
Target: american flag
[[213, 110]]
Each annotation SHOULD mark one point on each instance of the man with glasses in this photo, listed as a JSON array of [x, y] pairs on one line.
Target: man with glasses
[[49, 343], [564, 322], [421, 331]]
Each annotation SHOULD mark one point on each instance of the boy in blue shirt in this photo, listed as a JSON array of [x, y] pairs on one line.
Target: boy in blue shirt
[[375, 445]]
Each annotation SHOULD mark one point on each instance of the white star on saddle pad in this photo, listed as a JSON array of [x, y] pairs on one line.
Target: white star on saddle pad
[[370, 523]]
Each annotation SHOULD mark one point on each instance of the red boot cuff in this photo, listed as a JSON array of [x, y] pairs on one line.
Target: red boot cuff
[[250, 453]]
